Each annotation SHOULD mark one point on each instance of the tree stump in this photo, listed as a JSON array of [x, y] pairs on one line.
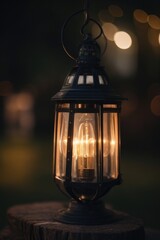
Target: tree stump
[[36, 222]]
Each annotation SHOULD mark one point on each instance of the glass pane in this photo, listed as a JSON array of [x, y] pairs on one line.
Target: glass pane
[[81, 80], [88, 106], [61, 147], [89, 79], [109, 106], [110, 145], [70, 80], [84, 153], [101, 82], [63, 105]]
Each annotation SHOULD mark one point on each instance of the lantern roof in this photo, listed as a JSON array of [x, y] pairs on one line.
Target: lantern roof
[[87, 81]]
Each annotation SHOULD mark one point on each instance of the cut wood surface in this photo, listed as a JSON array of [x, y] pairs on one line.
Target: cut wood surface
[[36, 222]]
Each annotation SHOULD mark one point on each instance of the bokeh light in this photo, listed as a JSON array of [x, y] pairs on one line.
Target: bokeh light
[[140, 16], [123, 40], [109, 30], [154, 22], [153, 37], [18, 164], [19, 115], [155, 105], [115, 11]]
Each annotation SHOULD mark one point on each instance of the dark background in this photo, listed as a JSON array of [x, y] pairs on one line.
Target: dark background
[[33, 66]]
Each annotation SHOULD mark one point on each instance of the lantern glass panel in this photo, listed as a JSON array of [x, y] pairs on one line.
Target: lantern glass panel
[[81, 80], [61, 144], [110, 144], [89, 79], [70, 80], [101, 81], [84, 155]]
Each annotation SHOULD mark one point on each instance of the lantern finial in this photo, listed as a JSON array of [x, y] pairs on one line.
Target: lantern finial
[[89, 52]]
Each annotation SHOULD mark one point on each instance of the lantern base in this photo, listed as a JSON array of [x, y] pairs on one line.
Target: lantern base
[[88, 213]]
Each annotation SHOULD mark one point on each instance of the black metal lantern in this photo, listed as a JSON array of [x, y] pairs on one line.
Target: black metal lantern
[[86, 138]]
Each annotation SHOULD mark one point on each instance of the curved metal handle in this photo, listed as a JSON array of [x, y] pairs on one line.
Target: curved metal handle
[[82, 30]]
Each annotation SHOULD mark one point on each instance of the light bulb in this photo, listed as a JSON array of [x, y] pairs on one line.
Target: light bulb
[[85, 148]]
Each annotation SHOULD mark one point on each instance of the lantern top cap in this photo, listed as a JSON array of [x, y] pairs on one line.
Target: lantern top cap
[[89, 52]]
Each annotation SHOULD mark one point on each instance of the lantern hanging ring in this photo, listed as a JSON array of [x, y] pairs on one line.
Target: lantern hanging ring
[[88, 19]]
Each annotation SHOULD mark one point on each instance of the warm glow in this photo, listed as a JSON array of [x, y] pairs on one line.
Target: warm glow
[[123, 40], [159, 38], [155, 105], [19, 102], [113, 142], [110, 145], [154, 22], [18, 163], [19, 114], [62, 139], [86, 140], [84, 148], [115, 11], [140, 16], [78, 142], [153, 37], [109, 30]]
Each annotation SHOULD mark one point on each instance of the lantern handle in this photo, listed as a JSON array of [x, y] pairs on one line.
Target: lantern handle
[[86, 22]]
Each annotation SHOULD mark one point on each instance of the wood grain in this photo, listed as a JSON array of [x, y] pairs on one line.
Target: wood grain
[[36, 222]]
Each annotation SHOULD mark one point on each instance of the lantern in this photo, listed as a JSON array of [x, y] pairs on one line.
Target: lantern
[[86, 145]]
